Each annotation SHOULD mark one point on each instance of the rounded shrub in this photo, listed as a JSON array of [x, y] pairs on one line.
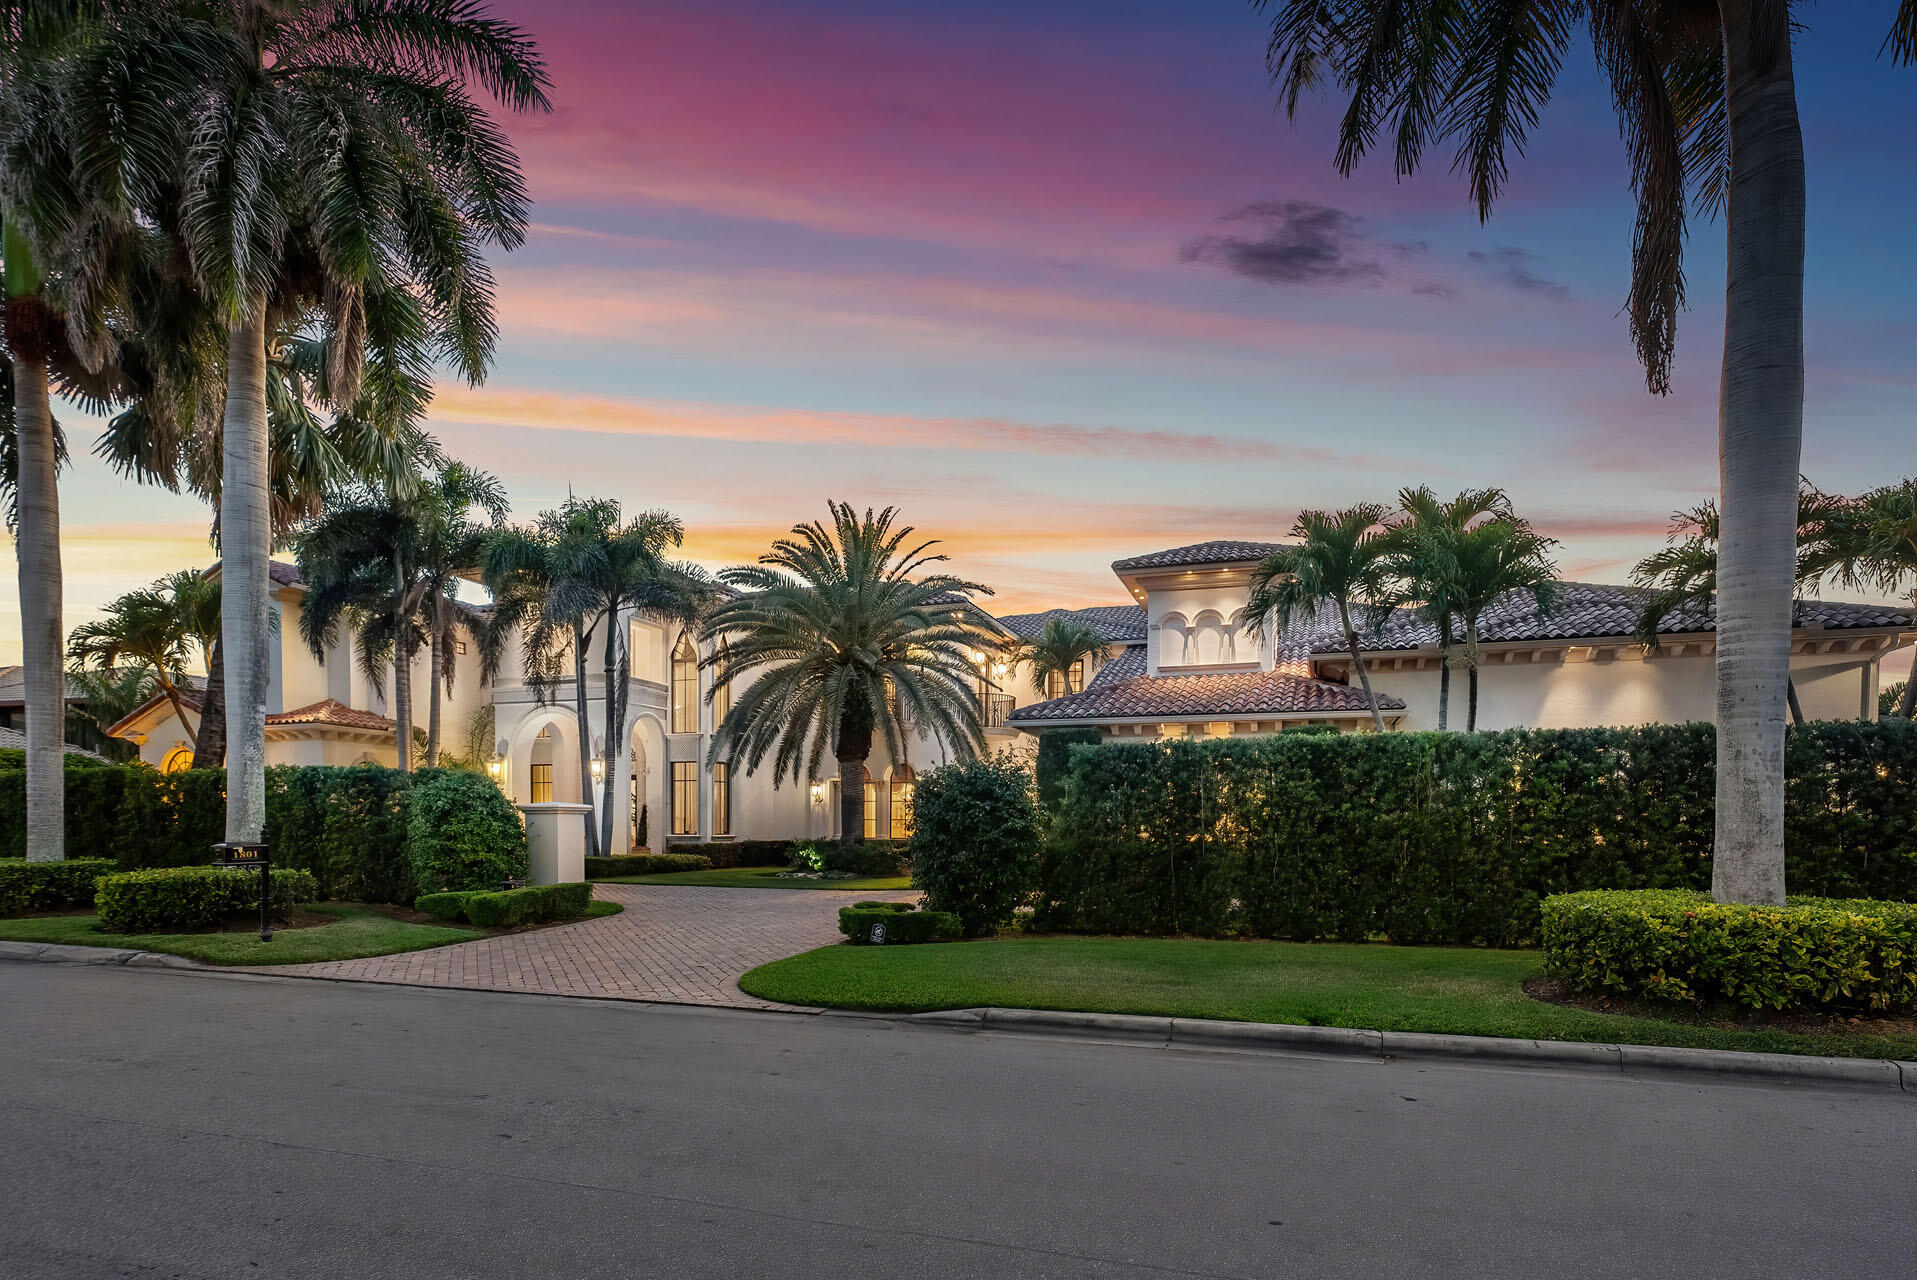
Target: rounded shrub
[[975, 841], [462, 834]]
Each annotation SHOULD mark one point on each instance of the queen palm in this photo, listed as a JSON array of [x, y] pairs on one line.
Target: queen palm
[[839, 634], [1061, 645], [1342, 563], [1707, 104], [1427, 539]]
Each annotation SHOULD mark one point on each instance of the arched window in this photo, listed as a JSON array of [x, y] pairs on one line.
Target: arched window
[[903, 780], [178, 760], [685, 687], [721, 693], [1174, 641]]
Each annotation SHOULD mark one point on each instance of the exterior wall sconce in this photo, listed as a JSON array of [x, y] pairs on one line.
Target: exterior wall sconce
[[818, 793], [598, 769], [496, 770]]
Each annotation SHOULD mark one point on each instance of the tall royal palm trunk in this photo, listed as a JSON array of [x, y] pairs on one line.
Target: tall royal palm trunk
[[1358, 664], [584, 727], [1760, 437], [246, 541], [210, 751], [853, 750], [37, 544]]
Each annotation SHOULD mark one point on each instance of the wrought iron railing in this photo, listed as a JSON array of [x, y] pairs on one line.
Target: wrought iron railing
[[998, 708]]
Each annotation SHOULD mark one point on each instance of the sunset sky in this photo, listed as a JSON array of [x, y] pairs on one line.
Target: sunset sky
[[1054, 277]]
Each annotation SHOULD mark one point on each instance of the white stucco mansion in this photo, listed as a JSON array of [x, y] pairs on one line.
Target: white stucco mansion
[[1177, 665]]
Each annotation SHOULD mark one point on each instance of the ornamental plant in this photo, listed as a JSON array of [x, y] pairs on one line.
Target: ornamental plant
[[975, 842]]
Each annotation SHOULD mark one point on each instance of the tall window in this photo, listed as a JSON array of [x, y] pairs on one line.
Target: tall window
[[542, 784], [721, 693], [721, 800], [871, 812], [902, 787], [1060, 683], [685, 687], [685, 798]]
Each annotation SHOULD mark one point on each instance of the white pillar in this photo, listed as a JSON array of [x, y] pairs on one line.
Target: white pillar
[[556, 841]]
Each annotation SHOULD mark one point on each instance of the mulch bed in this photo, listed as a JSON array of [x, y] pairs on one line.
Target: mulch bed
[[1800, 1022]]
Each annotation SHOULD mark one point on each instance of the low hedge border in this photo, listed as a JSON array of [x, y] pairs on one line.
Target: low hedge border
[[164, 898], [878, 923], [49, 886], [534, 904], [1675, 944], [646, 864]]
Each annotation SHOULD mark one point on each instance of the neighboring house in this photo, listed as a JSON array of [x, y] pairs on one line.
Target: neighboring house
[[82, 732], [318, 711], [1187, 668], [12, 739]]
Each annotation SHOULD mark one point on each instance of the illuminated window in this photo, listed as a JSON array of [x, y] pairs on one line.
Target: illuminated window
[[1219, 729], [542, 783], [721, 800], [1060, 683], [685, 798], [1171, 730], [902, 787], [178, 760], [685, 688], [871, 812], [721, 693]]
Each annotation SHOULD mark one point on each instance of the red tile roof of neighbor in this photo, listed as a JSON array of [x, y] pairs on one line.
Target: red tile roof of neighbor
[[1122, 690], [327, 711]]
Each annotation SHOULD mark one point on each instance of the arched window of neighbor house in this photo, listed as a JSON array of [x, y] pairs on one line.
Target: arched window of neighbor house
[[685, 687], [178, 760]]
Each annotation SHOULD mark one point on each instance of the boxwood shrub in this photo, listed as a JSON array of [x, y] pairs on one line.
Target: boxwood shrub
[[193, 897], [535, 904], [1677, 944], [462, 833], [646, 864], [896, 922], [1446, 838], [48, 886], [975, 841]]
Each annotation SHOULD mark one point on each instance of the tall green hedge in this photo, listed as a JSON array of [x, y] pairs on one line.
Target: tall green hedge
[[1055, 759], [1452, 838]]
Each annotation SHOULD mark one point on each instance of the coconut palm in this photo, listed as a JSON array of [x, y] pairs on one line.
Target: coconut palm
[[314, 158], [1870, 543], [153, 631], [839, 634], [1427, 538], [1707, 105], [1063, 643], [1341, 562]]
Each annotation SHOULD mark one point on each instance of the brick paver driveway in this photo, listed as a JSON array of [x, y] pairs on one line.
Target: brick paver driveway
[[672, 944]]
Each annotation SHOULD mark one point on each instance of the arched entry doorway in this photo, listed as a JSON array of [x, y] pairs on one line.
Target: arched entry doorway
[[543, 763], [641, 803]]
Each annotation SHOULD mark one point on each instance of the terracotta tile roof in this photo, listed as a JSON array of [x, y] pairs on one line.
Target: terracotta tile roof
[[1116, 623], [1597, 610], [332, 711], [1223, 552], [16, 740], [286, 575], [1122, 691], [13, 687]]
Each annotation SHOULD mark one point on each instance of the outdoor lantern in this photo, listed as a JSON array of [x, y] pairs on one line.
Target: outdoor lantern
[[598, 770], [818, 793], [496, 768], [978, 659]]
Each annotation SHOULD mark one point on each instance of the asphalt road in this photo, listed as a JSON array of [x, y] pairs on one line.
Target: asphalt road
[[158, 1124]]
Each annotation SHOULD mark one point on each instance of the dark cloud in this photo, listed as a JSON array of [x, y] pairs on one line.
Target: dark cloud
[[1297, 242], [1512, 268], [1432, 289]]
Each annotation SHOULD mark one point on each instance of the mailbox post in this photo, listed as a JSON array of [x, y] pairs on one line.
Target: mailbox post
[[237, 853]]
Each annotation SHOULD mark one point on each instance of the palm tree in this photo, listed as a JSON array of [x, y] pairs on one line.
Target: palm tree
[[152, 631], [843, 636], [1490, 563], [1707, 104], [451, 538], [1427, 539], [1342, 561], [1870, 543], [312, 157], [1062, 644]]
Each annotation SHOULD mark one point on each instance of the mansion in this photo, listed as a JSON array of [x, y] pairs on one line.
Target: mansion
[[1177, 663]]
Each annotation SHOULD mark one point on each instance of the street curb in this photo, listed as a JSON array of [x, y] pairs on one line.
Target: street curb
[[1880, 1073], [62, 953]]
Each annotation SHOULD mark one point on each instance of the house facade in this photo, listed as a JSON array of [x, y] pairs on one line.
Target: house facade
[[1178, 663]]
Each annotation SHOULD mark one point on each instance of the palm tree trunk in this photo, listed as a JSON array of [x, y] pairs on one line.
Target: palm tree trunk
[[852, 777], [42, 636], [403, 706], [615, 695], [246, 541], [179, 713], [584, 727], [1444, 675], [1907, 704], [437, 655], [1471, 675], [1760, 440], [211, 750], [1797, 711], [1358, 663]]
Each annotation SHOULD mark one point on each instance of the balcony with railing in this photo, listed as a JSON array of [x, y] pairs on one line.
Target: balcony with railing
[[998, 709]]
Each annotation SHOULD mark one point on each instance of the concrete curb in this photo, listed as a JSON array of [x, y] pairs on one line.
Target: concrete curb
[[1879, 1073], [61, 953]]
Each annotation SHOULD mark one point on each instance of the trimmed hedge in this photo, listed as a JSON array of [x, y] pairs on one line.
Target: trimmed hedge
[[462, 832], [888, 857], [48, 886], [899, 923], [1446, 838], [975, 841], [1675, 944], [646, 864], [534, 904], [747, 853], [1055, 760], [193, 897]]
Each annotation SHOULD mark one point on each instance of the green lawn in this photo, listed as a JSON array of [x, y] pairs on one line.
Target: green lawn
[[360, 932], [1442, 989], [762, 878]]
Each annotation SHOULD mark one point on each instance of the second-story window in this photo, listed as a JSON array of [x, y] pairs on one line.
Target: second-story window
[[721, 693], [685, 687], [1060, 683]]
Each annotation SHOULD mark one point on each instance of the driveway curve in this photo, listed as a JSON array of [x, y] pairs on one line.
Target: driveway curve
[[672, 944]]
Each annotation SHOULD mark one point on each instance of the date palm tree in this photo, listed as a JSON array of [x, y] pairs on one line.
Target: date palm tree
[[839, 635], [153, 631], [1707, 105], [1427, 539], [1063, 643], [1341, 562], [1870, 543]]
